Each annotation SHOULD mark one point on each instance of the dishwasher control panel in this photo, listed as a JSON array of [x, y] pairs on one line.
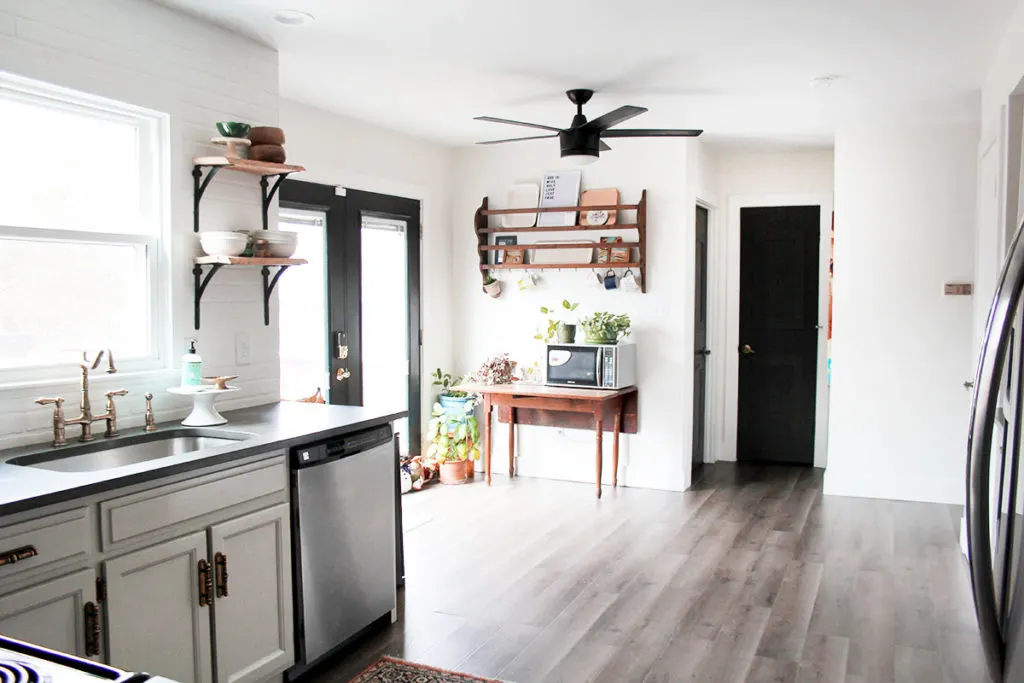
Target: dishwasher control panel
[[340, 447]]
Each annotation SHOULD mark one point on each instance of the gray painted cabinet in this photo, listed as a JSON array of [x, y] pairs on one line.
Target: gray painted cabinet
[[253, 621], [51, 614], [154, 620], [147, 543]]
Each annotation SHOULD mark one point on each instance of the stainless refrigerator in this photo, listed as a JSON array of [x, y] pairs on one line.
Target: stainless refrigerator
[[995, 500]]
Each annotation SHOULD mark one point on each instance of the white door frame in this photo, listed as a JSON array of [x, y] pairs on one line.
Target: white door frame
[[727, 365]]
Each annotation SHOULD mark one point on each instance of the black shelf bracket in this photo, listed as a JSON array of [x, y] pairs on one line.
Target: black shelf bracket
[[268, 194], [200, 285], [199, 185], [268, 288]]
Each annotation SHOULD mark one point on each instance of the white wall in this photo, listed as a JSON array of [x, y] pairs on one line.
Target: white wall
[[339, 151], [147, 55], [760, 178], [659, 456], [905, 209]]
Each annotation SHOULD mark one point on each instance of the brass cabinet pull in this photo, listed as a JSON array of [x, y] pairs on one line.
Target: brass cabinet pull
[[18, 554], [205, 583], [220, 565], [92, 629]]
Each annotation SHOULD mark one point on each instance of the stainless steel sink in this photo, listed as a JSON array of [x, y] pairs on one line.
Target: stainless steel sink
[[103, 454]]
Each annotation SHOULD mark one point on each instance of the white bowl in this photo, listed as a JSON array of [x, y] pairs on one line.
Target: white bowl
[[281, 243], [221, 243]]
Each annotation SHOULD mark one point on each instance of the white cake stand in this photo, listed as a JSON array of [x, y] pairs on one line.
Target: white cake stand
[[203, 414]]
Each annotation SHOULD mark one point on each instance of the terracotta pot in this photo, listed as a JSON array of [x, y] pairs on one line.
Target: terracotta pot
[[470, 468], [453, 472]]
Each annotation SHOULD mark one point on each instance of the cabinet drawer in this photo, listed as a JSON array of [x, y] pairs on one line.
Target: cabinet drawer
[[134, 516], [45, 544]]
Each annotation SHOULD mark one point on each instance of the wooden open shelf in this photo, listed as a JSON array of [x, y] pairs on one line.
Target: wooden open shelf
[[561, 245], [565, 228], [249, 261], [260, 168], [483, 230], [559, 266], [562, 209]]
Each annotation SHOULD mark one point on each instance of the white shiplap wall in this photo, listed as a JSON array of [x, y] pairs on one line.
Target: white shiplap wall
[[144, 54]]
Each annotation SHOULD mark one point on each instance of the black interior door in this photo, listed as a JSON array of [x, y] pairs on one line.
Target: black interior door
[[700, 335], [358, 206], [778, 351]]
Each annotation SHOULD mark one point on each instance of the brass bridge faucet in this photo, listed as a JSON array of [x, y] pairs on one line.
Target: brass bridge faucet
[[85, 418]]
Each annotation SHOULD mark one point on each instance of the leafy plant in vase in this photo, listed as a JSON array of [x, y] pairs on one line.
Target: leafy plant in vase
[[605, 328], [452, 400], [563, 332], [492, 287], [454, 442]]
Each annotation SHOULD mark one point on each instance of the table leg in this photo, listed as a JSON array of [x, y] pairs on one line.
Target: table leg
[[615, 444], [487, 437], [599, 429], [512, 442]]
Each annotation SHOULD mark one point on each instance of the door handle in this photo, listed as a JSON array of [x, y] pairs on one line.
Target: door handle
[[746, 350], [92, 629], [220, 563], [205, 584], [969, 384], [702, 352]]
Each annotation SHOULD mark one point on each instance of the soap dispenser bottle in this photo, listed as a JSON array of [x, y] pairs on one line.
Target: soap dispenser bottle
[[191, 367]]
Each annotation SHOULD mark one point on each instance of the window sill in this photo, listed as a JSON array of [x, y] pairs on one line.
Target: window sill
[[122, 376]]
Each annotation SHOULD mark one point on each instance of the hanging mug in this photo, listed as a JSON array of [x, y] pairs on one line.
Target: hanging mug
[[610, 282], [630, 282], [594, 279], [527, 281]]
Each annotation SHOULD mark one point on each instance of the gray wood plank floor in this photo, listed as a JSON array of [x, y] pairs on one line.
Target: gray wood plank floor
[[752, 575]]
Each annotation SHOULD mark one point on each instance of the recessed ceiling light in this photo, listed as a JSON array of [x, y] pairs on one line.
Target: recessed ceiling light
[[293, 17], [824, 81]]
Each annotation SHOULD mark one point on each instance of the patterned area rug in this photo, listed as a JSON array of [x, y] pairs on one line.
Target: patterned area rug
[[391, 670]]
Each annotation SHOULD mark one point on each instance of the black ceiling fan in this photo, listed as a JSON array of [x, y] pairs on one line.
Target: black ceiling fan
[[585, 138]]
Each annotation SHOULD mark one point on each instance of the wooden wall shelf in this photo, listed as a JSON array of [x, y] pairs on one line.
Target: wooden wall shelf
[[200, 181], [484, 230]]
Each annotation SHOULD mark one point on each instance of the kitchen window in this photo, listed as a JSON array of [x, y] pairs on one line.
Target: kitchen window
[[82, 212]]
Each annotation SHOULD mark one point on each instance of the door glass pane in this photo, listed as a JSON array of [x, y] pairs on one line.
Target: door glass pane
[[302, 296], [385, 319]]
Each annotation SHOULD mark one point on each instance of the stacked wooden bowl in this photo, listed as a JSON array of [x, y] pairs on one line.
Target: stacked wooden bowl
[[267, 144]]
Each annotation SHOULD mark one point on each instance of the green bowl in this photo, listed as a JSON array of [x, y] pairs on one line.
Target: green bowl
[[233, 129]]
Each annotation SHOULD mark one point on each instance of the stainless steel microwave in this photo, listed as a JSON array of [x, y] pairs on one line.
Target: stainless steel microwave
[[598, 366]]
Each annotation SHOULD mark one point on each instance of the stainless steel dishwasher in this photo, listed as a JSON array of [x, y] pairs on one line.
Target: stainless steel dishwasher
[[343, 517]]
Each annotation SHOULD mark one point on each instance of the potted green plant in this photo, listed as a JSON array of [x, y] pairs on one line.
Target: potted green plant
[[454, 442], [605, 328], [492, 287], [558, 328], [453, 401]]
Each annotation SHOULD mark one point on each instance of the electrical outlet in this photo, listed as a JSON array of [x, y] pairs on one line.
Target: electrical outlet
[[243, 350]]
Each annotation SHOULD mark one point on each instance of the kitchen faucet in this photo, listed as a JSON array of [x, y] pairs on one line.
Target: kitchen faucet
[[85, 417]]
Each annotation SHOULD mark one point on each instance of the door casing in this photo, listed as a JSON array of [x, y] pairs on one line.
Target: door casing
[[727, 364]]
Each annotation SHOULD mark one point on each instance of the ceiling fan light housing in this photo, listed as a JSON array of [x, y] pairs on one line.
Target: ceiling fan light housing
[[579, 142]]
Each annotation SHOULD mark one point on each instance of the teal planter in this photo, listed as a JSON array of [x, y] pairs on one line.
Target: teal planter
[[457, 407]]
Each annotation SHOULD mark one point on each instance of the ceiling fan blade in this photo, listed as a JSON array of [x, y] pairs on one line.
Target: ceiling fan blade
[[603, 146], [614, 117], [652, 133], [510, 122], [533, 137]]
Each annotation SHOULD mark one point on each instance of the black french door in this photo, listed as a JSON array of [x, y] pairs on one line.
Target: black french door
[[345, 212]]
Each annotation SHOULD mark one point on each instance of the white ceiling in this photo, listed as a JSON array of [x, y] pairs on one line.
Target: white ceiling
[[740, 69]]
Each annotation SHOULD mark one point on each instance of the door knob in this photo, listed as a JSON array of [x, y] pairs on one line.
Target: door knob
[[969, 384], [702, 352], [746, 350]]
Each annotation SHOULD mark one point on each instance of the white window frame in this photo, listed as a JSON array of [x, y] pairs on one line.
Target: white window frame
[[154, 188]]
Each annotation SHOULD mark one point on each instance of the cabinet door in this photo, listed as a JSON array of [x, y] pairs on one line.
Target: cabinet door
[[253, 621], [155, 622], [51, 614]]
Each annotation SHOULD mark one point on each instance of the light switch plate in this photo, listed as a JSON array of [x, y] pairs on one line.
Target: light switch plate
[[243, 350], [958, 289]]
